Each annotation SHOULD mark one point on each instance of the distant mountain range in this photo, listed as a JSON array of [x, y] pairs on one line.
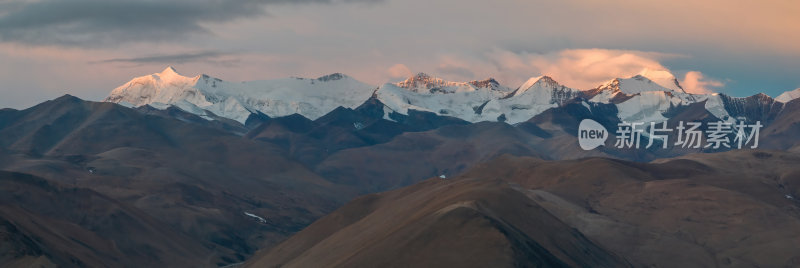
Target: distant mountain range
[[179, 171], [647, 97]]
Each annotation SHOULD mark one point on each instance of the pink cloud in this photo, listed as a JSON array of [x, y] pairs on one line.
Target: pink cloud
[[399, 71], [695, 82], [587, 68], [577, 68]]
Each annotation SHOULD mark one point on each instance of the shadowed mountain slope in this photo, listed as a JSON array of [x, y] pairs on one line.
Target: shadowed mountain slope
[[47, 225], [697, 211]]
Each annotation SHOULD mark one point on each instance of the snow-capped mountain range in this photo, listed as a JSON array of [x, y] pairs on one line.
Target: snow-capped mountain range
[[645, 97], [202, 94]]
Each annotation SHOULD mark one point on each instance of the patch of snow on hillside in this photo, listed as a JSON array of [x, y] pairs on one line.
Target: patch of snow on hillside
[[254, 216]]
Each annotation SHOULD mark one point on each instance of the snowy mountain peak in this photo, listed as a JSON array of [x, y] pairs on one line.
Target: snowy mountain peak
[[546, 81], [423, 80], [426, 84], [640, 99], [487, 83], [165, 86], [542, 83], [788, 96], [484, 100], [612, 86], [169, 71], [207, 96], [632, 86]]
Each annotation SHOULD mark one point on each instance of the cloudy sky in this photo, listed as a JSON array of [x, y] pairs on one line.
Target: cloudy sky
[[88, 47]]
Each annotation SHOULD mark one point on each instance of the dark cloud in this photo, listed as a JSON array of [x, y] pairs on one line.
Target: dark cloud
[[97, 23], [174, 58], [213, 57]]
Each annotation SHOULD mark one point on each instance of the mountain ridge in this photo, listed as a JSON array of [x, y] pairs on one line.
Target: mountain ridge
[[235, 189], [647, 96]]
